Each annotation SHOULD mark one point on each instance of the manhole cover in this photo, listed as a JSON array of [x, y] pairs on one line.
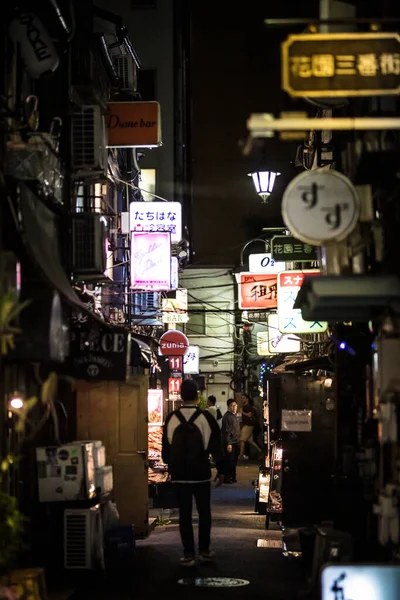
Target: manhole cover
[[226, 582], [269, 544]]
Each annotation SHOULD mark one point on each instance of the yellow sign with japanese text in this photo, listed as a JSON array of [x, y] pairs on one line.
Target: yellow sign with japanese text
[[341, 64]]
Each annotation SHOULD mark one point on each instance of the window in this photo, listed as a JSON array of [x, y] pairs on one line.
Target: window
[[146, 84], [218, 322], [147, 184], [197, 321]]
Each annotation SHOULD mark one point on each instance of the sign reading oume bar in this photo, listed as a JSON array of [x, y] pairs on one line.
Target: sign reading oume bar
[[341, 64], [98, 354], [133, 125]]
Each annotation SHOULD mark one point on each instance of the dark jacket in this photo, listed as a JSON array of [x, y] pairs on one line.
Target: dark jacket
[[211, 435], [230, 429]]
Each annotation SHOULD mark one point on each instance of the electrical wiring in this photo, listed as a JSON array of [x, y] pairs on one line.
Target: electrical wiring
[[135, 187]]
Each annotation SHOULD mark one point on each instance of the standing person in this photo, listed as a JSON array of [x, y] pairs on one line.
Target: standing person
[[249, 418], [189, 436], [230, 440], [214, 410]]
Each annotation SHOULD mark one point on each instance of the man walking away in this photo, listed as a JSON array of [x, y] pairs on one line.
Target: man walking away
[[189, 436], [231, 440], [214, 410]]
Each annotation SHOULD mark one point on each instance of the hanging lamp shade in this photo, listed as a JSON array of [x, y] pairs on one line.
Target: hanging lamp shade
[[264, 182]]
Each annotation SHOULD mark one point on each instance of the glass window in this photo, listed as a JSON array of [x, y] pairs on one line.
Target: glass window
[[197, 321]]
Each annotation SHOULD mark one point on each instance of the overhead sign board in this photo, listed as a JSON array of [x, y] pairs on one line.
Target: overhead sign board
[[257, 291], [320, 207], [157, 216], [133, 124], [289, 318], [265, 263], [291, 249], [150, 261], [341, 64]]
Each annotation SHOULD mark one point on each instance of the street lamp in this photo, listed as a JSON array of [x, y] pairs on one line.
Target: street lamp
[[264, 182]]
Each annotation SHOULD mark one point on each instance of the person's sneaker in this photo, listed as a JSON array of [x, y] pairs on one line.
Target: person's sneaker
[[187, 561], [205, 557]]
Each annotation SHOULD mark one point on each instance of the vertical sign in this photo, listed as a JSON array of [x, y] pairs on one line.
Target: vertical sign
[[150, 261], [289, 318], [175, 363], [174, 385]]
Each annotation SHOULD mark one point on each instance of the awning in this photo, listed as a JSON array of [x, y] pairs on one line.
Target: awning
[[141, 353], [41, 234]]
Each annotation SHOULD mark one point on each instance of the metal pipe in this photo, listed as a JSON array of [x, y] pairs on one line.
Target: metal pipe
[[266, 242], [263, 125]]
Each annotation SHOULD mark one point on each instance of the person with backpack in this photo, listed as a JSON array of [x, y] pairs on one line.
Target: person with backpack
[[214, 410], [190, 435]]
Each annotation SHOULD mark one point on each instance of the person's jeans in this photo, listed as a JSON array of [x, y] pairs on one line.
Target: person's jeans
[[231, 460], [202, 495]]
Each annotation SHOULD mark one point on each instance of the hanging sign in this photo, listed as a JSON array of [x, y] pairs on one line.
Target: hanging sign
[[150, 261], [257, 291], [173, 343], [155, 406], [328, 65], [320, 207], [133, 125], [174, 385], [175, 363], [265, 263], [291, 250], [191, 361], [289, 318], [157, 216], [280, 343]]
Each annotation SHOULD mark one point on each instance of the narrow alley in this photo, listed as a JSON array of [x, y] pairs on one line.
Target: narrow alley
[[236, 531]]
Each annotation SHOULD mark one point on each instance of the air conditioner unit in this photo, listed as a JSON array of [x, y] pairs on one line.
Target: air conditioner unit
[[89, 234], [127, 73], [89, 143], [83, 538]]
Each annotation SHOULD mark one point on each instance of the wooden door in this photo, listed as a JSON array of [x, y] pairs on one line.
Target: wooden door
[[116, 413]]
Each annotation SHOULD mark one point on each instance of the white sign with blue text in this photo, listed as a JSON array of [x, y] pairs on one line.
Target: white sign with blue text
[[264, 263], [157, 216], [191, 361]]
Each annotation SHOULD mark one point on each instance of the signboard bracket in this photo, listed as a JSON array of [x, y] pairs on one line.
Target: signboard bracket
[[332, 21]]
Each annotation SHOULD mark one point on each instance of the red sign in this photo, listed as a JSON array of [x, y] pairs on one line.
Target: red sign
[[295, 278], [258, 291], [175, 363], [174, 385], [173, 343]]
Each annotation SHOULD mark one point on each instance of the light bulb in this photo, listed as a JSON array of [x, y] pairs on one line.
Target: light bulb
[[16, 402]]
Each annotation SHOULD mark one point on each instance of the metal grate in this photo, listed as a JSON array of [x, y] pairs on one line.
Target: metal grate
[[76, 536], [269, 543]]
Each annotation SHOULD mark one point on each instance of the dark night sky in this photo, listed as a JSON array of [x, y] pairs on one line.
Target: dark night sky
[[235, 72]]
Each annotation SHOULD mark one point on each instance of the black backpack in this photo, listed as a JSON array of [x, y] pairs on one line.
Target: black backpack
[[219, 415], [188, 457]]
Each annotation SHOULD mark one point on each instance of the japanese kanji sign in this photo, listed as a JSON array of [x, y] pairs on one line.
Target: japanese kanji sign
[[320, 207], [289, 318], [341, 64], [288, 248], [157, 216], [257, 291]]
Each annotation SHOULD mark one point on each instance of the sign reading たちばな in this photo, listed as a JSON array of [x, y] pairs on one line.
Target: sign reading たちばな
[[157, 216]]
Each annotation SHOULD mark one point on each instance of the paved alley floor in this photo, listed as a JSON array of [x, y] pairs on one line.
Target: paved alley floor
[[236, 531]]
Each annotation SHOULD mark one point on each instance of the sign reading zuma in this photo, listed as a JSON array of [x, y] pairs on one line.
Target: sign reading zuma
[[98, 354], [133, 124]]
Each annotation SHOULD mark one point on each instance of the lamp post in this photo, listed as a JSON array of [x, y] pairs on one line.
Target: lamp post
[[264, 182]]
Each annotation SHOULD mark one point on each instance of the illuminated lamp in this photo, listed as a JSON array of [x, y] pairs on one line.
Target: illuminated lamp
[[264, 182]]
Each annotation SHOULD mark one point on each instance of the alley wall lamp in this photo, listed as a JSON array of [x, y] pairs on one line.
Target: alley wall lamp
[[264, 182]]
